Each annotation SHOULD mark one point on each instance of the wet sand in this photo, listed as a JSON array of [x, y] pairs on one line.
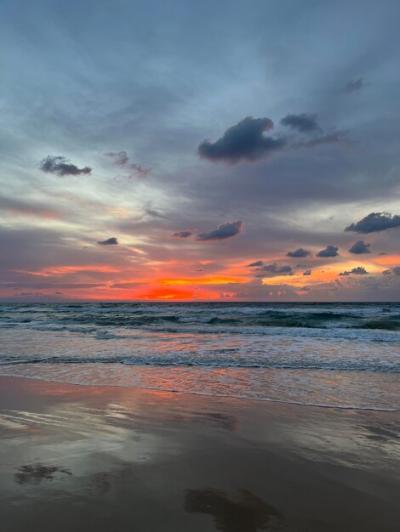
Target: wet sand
[[78, 458]]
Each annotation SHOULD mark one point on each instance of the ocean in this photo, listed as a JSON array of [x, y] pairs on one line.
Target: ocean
[[329, 355]]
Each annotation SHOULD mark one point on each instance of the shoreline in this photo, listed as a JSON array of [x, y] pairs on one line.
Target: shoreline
[[139, 388]]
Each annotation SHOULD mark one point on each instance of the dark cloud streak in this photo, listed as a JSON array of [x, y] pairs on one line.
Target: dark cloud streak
[[305, 123], [60, 166]]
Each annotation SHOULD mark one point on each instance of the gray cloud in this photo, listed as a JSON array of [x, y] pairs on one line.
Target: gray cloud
[[255, 264], [354, 85], [182, 234], [359, 270], [60, 166], [273, 270], [305, 123], [329, 138], [243, 141], [299, 253], [223, 231], [121, 159], [329, 251], [109, 242], [360, 247], [28, 208], [374, 222], [307, 272], [395, 270]]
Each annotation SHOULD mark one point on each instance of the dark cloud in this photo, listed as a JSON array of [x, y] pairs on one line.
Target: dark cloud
[[60, 166], [109, 242], [299, 253], [223, 231], [354, 85], [360, 247], [329, 251], [245, 140], [359, 270], [183, 234], [374, 222], [273, 270], [255, 264], [307, 272], [121, 159], [305, 123]]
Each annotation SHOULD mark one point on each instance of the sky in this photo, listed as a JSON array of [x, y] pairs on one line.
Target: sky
[[228, 151]]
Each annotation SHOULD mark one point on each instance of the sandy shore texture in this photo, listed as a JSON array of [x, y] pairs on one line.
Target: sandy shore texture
[[79, 458]]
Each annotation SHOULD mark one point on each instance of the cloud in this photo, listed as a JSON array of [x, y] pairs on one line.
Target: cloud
[[299, 253], [305, 123], [28, 208], [223, 231], [359, 270], [354, 85], [330, 138], [121, 159], [243, 141], [60, 166], [329, 251], [182, 234], [255, 264], [374, 222], [360, 247], [109, 242], [307, 272], [273, 270], [395, 270]]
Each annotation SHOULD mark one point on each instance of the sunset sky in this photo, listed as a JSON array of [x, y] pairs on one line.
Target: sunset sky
[[206, 150]]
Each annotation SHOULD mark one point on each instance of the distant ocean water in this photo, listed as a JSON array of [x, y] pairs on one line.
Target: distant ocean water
[[333, 355]]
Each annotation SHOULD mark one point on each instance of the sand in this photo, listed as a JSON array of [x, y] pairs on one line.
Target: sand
[[79, 458]]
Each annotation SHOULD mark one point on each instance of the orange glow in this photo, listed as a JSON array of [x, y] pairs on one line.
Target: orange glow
[[388, 260], [320, 276], [190, 281], [175, 294]]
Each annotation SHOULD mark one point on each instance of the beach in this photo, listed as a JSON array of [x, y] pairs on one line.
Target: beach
[[76, 457]]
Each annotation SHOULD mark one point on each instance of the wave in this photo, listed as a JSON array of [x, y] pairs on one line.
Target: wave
[[212, 362], [239, 316]]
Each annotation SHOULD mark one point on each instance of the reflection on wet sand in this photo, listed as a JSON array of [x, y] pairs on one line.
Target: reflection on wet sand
[[123, 460], [35, 473], [245, 513]]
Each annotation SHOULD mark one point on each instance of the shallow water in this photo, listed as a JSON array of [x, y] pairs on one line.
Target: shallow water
[[337, 355]]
